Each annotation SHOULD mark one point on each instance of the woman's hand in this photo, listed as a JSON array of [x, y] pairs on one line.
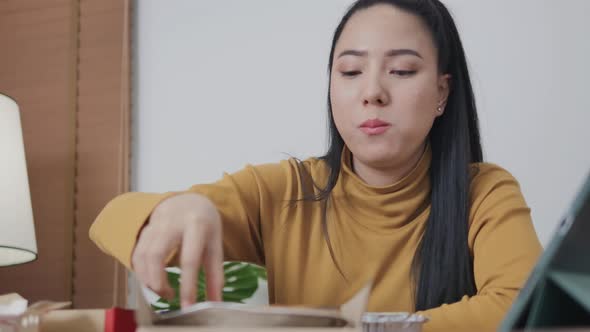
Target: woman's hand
[[190, 225]]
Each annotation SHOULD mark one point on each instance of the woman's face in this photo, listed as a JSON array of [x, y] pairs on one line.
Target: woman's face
[[385, 87]]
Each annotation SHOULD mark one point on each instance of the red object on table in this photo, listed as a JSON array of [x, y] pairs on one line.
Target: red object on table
[[119, 320]]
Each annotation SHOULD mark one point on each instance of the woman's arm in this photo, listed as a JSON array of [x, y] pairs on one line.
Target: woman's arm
[[243, 200], [505, 249]]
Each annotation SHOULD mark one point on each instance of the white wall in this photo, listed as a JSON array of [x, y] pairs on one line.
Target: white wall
[[210, 73], [219, 84], [529, 61]]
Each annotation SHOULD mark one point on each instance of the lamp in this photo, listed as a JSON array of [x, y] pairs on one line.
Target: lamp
[[17, 230]]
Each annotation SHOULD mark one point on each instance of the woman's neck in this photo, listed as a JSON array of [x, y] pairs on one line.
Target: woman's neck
[[382, 177]]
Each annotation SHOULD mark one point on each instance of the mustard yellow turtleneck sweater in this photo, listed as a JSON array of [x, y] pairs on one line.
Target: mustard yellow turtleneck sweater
[[370, 228]]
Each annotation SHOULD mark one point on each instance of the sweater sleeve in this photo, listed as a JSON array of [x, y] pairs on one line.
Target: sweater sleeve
[[245, 201], [505, 249]]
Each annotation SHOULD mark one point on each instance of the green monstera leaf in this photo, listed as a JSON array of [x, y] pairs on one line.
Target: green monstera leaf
[[241, 282]]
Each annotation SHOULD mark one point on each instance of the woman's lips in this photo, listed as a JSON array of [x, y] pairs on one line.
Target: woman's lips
[[375, 130], [374, 127]]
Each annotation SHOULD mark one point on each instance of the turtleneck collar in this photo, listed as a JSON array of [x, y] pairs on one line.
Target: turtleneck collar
[[389, 207]]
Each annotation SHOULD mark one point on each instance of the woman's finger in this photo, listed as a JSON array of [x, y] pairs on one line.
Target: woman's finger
[[159, 251], [213, 262], [190, 260], [139, 257]]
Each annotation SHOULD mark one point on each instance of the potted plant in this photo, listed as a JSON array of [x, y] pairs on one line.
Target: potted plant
[[241, 282]]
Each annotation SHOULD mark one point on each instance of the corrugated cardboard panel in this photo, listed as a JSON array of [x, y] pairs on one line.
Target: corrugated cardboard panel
[[66, 62], [37, 69], [102, 144]]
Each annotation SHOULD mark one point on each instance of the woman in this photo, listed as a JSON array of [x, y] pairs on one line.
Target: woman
[[402, 190]]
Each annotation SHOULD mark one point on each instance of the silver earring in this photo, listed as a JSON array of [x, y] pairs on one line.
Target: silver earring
[[439, 109]]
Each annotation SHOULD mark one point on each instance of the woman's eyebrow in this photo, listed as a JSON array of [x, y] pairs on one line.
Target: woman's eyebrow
[[389, 53]]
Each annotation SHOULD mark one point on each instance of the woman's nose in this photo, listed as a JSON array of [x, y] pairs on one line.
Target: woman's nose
[[375, 94]]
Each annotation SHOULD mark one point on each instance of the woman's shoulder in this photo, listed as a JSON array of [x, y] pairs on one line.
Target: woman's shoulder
[[288, 169], [312, 165], [493, 186], [499, 213], [486, 178], [485, 174]]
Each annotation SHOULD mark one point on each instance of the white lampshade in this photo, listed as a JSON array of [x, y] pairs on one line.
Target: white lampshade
[[17, 230]]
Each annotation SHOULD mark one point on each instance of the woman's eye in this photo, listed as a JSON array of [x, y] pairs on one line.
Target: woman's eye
[[350, 73], [403, 73]]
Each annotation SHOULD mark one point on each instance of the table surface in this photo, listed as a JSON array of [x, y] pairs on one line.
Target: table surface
[[92, 320]]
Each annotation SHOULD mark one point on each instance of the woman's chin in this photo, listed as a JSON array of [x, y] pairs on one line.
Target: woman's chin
[[377, 159]]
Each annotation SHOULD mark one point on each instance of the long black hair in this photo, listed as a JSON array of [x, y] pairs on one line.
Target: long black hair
[[442, 269]]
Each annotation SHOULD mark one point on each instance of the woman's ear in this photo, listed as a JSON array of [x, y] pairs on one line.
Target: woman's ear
[[444, 88]]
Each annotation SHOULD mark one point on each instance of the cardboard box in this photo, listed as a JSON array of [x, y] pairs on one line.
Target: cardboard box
[[90, 320], [17, 316], [227, 329], [221, 316]]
